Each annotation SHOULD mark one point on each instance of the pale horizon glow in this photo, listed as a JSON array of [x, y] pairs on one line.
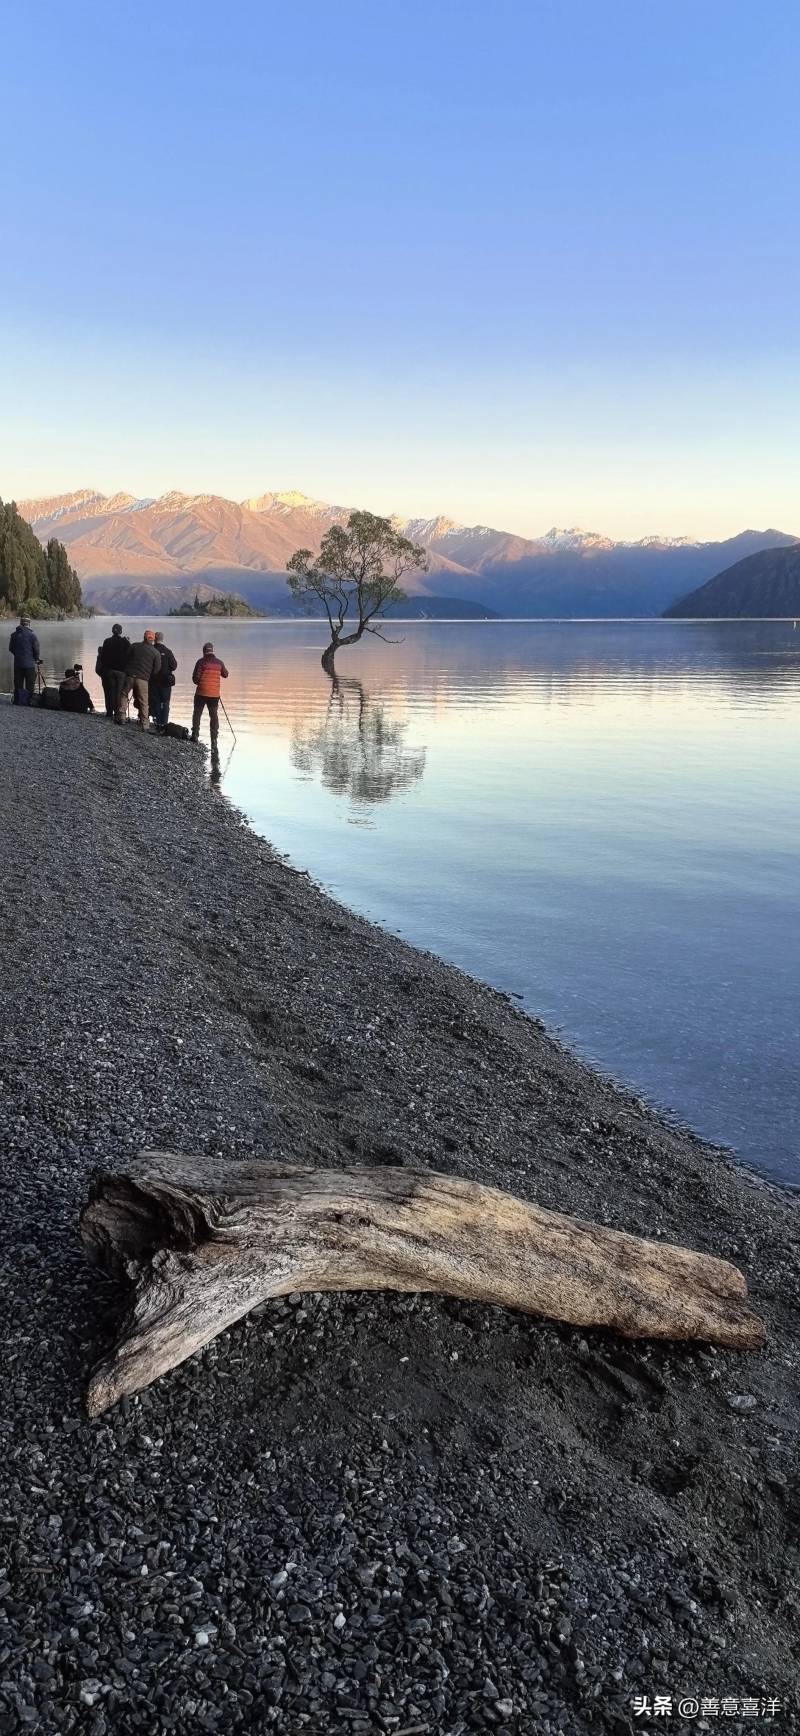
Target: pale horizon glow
[[524, 267]]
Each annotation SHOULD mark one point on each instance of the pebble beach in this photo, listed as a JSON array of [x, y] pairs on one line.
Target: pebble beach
[[387, 1515]]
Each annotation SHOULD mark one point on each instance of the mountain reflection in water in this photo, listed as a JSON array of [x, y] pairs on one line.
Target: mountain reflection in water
[[603, 817]]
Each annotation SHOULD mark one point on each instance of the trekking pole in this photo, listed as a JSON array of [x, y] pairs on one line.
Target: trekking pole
[[227, 719]]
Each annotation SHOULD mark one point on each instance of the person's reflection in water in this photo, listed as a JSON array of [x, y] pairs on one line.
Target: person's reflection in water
[[358, 750], [215, 771]]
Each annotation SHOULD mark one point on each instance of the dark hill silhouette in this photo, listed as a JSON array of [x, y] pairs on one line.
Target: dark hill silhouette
[[764, 585]]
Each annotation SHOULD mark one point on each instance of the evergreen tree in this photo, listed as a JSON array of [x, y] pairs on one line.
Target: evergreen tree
[[23, 568], [63, 588], [29, 577]]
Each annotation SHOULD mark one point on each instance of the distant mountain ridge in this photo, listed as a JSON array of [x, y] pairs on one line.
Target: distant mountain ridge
[[139, 554], [763, 586]]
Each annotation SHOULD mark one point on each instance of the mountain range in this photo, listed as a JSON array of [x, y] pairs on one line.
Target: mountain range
[[139, 556]]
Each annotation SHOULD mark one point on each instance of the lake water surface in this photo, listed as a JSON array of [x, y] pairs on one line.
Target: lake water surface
[[602, 818]]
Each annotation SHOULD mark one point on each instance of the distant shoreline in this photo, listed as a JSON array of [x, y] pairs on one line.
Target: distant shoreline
[[459, 620]]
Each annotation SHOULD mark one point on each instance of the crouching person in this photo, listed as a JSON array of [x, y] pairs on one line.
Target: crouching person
[[144, 662], [207, 674], [72, 693]]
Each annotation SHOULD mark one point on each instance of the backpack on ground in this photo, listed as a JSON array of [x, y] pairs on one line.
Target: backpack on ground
[[178, 731], [50, 698]]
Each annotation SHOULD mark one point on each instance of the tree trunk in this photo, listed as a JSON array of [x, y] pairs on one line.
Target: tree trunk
[[329, 655], [204, 1243]]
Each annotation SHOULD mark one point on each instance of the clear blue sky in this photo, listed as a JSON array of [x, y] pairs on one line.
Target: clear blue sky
[[527, 262]]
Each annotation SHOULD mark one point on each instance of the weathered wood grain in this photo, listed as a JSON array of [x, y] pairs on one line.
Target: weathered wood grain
[[203, 1243]]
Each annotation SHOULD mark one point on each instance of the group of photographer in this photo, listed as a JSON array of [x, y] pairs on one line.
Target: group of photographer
[[143, 669]]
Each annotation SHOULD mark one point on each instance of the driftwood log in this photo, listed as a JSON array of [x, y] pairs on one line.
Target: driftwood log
[[204, 1243]]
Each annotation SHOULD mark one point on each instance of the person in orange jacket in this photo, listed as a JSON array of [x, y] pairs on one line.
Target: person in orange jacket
[[209, 671]]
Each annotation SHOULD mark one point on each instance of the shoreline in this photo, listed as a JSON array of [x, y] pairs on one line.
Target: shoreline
[[522, 1524], [493, 620]]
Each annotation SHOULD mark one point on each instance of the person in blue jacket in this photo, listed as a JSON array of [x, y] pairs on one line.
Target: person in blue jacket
[[24, 648]]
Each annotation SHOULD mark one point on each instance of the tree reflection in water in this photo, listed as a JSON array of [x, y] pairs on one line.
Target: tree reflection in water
[[357, 749]]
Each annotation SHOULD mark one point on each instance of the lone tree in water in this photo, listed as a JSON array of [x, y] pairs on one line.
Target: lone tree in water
[[355, 577]]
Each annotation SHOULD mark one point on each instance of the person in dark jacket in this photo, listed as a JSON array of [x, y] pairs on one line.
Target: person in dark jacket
[[73, 694], [161, 685], [206, 675], [112, 662], [143, 663], [24, 648]]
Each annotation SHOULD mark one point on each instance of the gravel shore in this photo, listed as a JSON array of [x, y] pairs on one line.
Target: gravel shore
[[364, 1514]]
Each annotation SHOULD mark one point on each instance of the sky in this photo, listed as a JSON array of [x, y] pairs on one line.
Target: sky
[[527, 263]]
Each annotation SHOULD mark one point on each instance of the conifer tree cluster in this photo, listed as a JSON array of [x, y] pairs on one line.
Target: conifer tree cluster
[[38, 580]]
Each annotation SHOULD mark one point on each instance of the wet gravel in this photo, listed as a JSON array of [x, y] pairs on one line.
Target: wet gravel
[[365, 1514]]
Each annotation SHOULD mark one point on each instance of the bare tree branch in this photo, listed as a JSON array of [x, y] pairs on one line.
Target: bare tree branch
[[384, 636]]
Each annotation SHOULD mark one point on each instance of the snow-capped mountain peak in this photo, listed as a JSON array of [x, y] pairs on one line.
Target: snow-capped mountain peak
[[290, 500], [173, 500], [123, 503], [662, 542], [83, 501], [425, 529], [575, 538]]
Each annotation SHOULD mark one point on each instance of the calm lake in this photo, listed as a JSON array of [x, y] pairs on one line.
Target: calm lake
[[601, 818]]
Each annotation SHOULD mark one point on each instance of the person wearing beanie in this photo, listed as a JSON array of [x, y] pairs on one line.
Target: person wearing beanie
[[143, 662], [24, 648], [207, 674]]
